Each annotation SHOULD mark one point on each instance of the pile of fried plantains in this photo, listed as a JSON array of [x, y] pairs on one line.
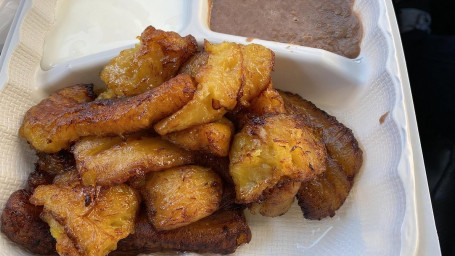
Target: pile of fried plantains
[[171, 152]]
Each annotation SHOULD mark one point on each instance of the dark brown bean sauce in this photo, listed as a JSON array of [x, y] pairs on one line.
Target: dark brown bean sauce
[[331, 25]]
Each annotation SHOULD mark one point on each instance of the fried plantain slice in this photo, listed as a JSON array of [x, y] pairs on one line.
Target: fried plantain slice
[[58, 103], [268, 101], [212, 138], [323, 195], [257, 67], [219, 83], [153, 61], [57, 121], [21, 223], [222, 233], [340, 141], [64, 245], [192, 66], [180, 196], [271, 148], [108, 161], [278, 199], [93, 219]]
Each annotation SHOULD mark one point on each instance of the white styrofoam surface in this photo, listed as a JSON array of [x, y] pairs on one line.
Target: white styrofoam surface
[[388, 211]]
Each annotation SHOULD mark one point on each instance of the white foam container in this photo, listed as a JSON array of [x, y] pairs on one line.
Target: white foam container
[[388, 211]]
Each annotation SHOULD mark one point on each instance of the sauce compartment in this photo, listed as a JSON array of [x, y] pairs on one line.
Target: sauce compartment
[[324, 24]]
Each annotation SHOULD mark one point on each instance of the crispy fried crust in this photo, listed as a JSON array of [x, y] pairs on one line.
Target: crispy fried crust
[[219, 82], [191, 67], [21, 224], [278, 200], [37, 178], [232, 74], [108, 161], [54, 164], [221, 232], [155, 60], [69, 177], [322, 196], [93, 219], [271, 148], [268, 101], [212, 138], [179, 196], [340, 141], [257, 67], [64, 245], [46, 111], [54, 124], [325, 194]]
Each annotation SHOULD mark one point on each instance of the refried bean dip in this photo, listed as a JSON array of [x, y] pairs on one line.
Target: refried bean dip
[[331, 25]]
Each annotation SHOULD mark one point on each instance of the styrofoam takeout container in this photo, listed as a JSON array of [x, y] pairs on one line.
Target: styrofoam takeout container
[[388, 211]]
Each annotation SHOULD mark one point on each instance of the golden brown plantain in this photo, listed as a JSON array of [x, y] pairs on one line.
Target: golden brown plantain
[[180, 196], [219, 82], [93, 219], [108, 161], [137, 182], [278, 199], [153, 61], [340, 141], [191, 67], [232, 73], [64, 245], [45, 112], [212, 138], [271, 148], [323, 195], [221, 233], [257, 67], [55, 123], [21, 223], [268, 101]]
